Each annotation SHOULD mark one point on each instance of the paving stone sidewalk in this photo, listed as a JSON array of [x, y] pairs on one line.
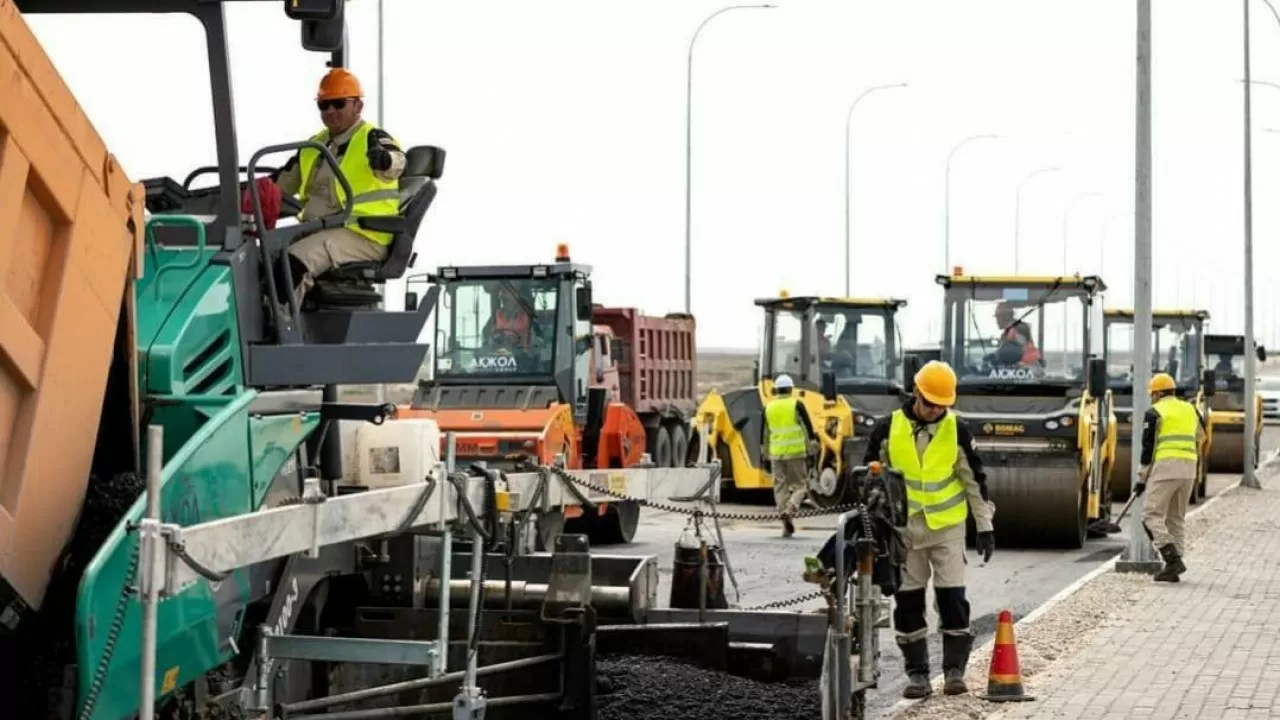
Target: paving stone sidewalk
[[1207, 647]]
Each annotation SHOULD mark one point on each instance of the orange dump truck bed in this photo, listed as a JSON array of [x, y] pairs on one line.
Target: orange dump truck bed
[[70, 227]]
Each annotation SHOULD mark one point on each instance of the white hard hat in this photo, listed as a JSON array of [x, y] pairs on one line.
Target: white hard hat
[[783, 382]]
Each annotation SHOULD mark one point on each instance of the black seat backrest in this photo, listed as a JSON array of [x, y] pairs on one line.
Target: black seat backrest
[[424, 165]]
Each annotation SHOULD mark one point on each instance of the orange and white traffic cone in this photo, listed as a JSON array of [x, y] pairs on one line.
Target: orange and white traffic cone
[[1004, 679]]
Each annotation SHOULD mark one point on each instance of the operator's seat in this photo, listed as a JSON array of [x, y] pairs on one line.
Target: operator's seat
[[351, 284]]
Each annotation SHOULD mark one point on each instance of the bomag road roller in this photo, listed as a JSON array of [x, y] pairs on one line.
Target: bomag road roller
[[842, 354], [1225, 357], [1032, 389], [1177, 342]]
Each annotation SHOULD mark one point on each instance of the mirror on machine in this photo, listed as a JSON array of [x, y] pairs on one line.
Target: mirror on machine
[[910, 366], [1210, 383], [584, 302], [323, 23], [1097, 377], [829, 391], [1262, 354]]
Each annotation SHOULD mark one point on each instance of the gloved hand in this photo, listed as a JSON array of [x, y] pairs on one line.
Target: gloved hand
[[379, 157], [986, 545], [814, 447], [1139, 488]]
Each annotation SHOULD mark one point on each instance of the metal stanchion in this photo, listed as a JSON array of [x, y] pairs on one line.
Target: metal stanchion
[[149, 566]]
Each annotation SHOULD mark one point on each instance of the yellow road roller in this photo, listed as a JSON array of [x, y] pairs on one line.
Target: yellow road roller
[[1032, 388], [843, 356], [1177, 346], [1225, 357]]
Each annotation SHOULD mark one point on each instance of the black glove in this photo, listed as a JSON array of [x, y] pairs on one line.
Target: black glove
[[379, 157], [1139, 488], [986, 545]]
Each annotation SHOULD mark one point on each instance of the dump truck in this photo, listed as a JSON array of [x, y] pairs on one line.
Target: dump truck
[[843, 356], [520, 347], [1225, 357], [1177, 343], [1035, 399]]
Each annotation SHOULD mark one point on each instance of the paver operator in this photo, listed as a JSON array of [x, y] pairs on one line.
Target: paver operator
[[788, 432], [1171, 432], [372, 162], [934, 452]]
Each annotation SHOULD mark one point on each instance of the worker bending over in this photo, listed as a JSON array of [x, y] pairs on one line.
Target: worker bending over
[[933, 451], [1171, 434], [372, 163], [788, 432]]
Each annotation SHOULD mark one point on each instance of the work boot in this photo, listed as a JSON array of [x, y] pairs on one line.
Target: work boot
[[916, 658], [955, 658], [1173, 565], [788, 528]]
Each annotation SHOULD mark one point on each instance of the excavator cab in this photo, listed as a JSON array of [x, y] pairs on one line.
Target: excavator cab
[[1178, 348], [1225, 358], [843, 356], [1032, 389]]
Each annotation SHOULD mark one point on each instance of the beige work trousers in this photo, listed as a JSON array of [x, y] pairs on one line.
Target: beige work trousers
[[936, 553], [324, 250], [790, 482], [1164, 510]]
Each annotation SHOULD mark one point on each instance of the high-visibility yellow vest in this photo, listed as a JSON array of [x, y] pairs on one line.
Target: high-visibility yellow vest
[[932, 486], [1176, 435], [786, 434], [373, 196]]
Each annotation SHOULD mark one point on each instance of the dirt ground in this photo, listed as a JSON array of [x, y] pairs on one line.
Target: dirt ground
[[723, 370]]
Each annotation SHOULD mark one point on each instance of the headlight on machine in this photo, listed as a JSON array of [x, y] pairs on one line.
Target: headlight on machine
[[1064, 422]]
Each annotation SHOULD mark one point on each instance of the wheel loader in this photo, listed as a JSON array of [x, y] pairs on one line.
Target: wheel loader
[[1177, 341], [1225, 357], [843, 356], [1031, 386]]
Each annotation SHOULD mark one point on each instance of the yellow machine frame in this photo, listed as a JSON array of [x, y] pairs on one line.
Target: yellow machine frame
[[1032, 504], [1122, 474], [733, 419]]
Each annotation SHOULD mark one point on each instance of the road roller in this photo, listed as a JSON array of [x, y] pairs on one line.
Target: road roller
[[1177, 346], [843, 355], [1225, 356], [1031, 386]]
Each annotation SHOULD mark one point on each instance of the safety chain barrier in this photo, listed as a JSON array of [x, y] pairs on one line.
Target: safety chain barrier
[[719, 514]]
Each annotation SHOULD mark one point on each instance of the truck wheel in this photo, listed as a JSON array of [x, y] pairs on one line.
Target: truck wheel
[[617, 526], [679, 445], [661, 450]]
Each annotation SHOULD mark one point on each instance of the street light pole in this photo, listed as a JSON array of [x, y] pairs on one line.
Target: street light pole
[[946, 233], [1248, 478], [848, 173], [1139, 556], [1017, 212], [380, 392], [688, 155]]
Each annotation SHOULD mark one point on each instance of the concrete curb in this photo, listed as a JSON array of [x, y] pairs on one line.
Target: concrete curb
[[1075, 587]]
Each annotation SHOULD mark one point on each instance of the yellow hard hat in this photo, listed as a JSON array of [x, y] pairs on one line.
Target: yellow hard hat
[[339, 83], [1161, 382], [936, 382]]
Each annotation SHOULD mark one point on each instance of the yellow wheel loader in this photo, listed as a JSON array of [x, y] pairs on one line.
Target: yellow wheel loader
[[1225, 356], [1177, 345], [1031, 386], [843, 356]]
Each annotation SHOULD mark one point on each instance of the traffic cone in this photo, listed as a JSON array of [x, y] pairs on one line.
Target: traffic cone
[[1004, 679]]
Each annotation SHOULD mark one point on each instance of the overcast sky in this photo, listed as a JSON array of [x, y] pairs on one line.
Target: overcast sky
[[565, 121]]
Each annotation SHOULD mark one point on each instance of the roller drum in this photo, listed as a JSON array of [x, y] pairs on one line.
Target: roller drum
[[1226, 455], [1122, 470], [1040, 500]]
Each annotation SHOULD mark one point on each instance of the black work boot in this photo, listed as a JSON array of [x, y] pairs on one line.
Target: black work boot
[[1173, 565], [916, 657], [788, 528], [955, 658]]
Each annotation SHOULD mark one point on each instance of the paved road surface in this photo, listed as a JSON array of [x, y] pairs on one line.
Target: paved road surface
[[767, 567]]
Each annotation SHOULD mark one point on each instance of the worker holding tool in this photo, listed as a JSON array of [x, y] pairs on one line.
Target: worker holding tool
[[933, 451], [372, 162], [1171, 434], [788, 432]]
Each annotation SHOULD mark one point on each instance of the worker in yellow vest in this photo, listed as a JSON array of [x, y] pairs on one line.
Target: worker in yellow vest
[[933, 451], [372, 163], [788, 432], [1171, 434]]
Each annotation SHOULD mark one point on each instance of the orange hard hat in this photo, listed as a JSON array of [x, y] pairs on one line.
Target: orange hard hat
[[339, 83], [936, 382]]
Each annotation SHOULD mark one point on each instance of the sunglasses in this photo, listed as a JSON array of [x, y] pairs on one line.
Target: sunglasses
[[335, 104]]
